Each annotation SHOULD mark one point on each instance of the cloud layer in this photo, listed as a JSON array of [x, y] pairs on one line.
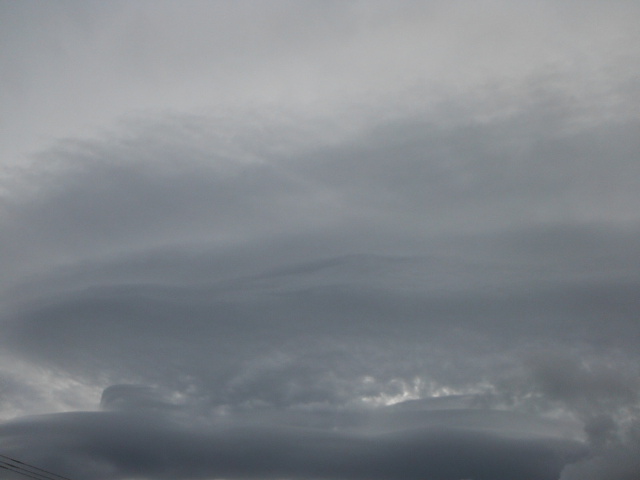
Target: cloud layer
[[343, 241]]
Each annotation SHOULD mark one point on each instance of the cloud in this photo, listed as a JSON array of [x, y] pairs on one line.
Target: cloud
[[323, 275], [333, 241], [116, 445], [108, 61], [618, 461], [436, 227]]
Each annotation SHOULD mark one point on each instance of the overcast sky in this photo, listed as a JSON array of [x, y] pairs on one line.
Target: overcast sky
[[331, 240]]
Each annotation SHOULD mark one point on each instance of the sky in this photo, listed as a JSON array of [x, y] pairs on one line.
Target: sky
[[330, 240]]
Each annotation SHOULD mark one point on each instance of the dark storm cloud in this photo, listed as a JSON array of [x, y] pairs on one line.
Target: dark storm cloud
[[567, 380], [619, 461], [264, 281], [251, 238], [109, 445], [247, 294]]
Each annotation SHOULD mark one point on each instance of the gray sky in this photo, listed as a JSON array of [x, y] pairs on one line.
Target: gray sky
[[330, 240]]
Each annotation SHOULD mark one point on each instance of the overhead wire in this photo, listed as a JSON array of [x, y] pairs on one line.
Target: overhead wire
[[28, 470], [10, 468]]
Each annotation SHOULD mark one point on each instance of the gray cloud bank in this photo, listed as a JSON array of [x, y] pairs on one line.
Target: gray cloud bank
[[413, 283], [99, 445], [331, 278]]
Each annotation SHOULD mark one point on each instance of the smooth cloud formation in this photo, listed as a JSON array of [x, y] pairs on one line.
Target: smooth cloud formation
[[400, 270], [125, 445]]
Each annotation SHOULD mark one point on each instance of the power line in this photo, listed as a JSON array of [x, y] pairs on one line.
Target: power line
[[28, 470], [6, 466]]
